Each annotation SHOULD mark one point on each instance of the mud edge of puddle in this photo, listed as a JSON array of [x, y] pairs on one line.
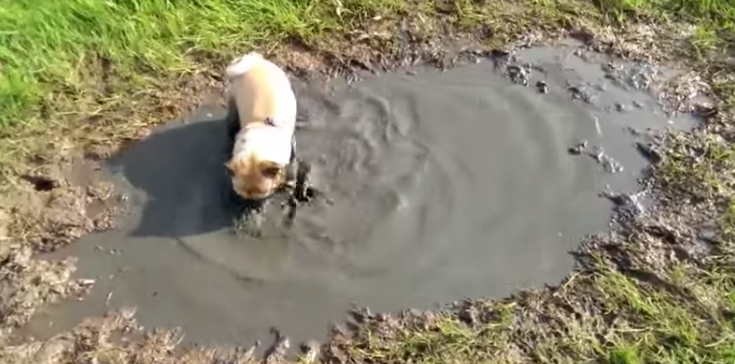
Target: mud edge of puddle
[[62, 202]]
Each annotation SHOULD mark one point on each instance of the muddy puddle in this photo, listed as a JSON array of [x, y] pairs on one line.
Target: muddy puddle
[[444, 185]]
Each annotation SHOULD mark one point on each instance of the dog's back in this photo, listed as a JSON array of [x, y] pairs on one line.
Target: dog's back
[[262, 90]]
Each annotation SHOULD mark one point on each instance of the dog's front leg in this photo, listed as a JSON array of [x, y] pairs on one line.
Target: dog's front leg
[[293, 148], [292, 168]]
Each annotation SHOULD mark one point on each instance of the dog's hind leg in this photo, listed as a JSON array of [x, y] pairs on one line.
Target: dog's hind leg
[[232, 120], [302, 118]]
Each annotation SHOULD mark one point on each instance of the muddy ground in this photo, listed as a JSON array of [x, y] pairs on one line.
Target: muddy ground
[[54, 208], [442, 185]]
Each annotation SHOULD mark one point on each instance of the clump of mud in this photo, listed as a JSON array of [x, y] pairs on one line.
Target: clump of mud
[[117, 338], [53, 210], [58, 207], [59, 217], [628, 206], [598, 154], [31, 283]]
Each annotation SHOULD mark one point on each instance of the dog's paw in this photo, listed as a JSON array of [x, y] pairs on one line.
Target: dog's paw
[[248, 224]]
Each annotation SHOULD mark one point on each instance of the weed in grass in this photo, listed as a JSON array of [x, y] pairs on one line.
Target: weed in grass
[[624, 355]]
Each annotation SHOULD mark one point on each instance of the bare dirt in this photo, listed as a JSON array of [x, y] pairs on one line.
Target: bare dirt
[[676, 229], [57, 206]]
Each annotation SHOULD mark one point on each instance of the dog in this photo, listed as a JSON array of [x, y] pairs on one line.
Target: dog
[[261, 121]]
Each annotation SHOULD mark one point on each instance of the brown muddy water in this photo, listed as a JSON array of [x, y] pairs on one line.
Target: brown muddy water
[[444, 185]]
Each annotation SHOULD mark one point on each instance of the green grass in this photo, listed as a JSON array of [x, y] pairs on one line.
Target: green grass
[[714, 19], [602, 316], [118, 62], [719, 12], [43, 43]]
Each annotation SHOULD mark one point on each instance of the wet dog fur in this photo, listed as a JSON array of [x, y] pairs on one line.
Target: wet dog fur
[[261, 118]]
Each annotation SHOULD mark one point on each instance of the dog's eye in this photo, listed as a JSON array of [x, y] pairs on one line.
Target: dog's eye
[[271, 172]]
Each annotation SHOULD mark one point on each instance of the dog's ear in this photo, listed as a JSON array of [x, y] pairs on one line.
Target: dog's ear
[[230, 165], [235, 166]]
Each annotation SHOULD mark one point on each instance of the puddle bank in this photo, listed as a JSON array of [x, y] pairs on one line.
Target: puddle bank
[[445, 185]]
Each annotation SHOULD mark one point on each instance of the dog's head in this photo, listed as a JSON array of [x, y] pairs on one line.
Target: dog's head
[[254, 178]]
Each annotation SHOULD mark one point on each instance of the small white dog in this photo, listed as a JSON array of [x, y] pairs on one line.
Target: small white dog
[[262, 121]]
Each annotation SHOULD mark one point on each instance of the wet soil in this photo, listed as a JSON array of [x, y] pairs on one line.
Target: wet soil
[[55, 206], [445, 185]]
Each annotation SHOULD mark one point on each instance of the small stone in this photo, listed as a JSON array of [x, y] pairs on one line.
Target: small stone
[[4, 224], [517, 74], [649, 152], [309, 351], [576, 92], [542, 87], [499, 53], [709, 235], [578, 148], [469, 315]]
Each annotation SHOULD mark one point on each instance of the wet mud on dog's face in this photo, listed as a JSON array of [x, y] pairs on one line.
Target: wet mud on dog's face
[[254, 179]]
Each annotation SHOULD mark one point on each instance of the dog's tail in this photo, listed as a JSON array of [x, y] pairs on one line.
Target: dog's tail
[[239, 66]]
